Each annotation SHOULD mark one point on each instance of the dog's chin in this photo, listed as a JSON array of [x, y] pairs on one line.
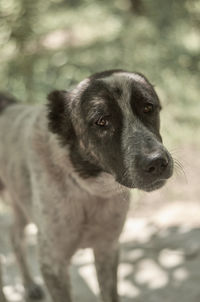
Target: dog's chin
[[153, 186], [147, 187], [126, 183]]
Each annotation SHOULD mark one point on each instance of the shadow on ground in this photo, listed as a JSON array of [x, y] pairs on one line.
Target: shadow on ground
[[156, 264]]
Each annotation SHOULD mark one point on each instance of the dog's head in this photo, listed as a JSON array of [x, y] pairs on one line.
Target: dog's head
[[110, 122]]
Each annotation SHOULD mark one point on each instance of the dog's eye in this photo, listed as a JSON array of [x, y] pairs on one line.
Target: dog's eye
[[148, 108], [102, 121]]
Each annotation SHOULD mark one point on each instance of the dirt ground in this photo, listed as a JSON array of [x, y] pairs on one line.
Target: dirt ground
[[160, 245]]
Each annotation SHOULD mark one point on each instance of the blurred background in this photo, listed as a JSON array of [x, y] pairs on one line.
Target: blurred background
[[56, 43]]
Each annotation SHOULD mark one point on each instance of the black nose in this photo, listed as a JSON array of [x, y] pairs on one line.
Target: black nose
[[155, 163]]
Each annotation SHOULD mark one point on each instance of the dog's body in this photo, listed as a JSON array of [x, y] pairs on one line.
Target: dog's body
[[69, 168]]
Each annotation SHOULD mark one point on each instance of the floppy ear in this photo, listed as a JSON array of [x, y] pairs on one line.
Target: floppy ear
[[59, 116]]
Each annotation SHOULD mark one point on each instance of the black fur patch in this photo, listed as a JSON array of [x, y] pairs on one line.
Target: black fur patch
[[141, 95], [58, 115], [104, 143], [5, 101], [60, 124], [83, 166]]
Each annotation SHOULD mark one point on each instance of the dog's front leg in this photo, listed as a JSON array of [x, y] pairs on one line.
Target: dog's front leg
[[55, 253], [57, 282], [106, 262], [55, 273]]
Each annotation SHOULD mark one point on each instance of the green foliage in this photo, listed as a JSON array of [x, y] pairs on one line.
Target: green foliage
[[55, 43]]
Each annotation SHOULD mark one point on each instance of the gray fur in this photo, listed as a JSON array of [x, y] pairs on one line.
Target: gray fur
[[70, 211]]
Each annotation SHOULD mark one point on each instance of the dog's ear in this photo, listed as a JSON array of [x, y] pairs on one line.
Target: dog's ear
[[59, 116]]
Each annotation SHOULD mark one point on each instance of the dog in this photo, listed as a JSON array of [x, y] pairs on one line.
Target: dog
[[69, 167]]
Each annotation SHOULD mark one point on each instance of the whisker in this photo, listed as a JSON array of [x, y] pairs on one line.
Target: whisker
[[180, 168], [174, 150]]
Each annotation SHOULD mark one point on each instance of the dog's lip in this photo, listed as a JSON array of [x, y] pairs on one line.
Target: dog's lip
[[145, 186], [157, 184]]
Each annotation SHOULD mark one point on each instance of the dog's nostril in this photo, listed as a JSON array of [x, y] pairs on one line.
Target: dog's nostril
[[157, 164], [151, 169]]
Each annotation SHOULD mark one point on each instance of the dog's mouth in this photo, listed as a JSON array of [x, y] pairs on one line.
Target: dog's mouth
[[152, 186], [147, 187], [149, 179]]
